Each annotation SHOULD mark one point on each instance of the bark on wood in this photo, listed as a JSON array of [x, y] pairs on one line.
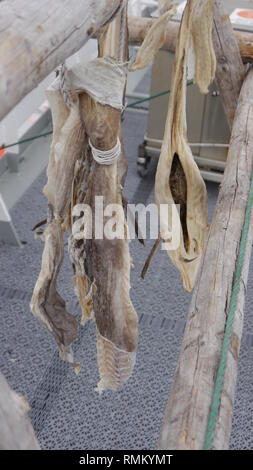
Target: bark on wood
[[138, 28], [189, 403], [229, 70], [35, 37], [16, 431]]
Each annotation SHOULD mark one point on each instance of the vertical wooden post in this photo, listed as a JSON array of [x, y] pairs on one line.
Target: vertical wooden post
[[229, 70], [189, 403]]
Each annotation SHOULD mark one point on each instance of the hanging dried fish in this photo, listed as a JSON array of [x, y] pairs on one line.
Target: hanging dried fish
[[16, 431], [87, 102], [164, 5], [46, 304], [153, 41], [106, 261], [178, 179]]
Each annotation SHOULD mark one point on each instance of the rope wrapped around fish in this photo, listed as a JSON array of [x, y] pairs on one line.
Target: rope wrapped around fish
[[87, 127]]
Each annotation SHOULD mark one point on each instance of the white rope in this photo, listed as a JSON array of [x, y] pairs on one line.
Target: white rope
[[106, 157]]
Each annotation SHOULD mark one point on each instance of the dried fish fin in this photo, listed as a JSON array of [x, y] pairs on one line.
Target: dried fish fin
[[178, 180], [205, 59], [115, 365], [46, 304], [153, 41]]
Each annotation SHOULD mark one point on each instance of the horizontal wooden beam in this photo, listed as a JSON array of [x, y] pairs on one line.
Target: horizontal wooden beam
[[138, 28], [191, 395], [37, 36]]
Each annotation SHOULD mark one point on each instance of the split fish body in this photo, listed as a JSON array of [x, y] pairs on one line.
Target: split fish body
[[178, 179], [107, 268]]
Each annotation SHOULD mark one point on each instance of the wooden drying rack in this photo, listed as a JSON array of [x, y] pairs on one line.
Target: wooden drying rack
[[35, 37]]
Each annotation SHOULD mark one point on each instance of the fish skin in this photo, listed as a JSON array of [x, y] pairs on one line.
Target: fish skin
[[184, 184], [106, 262]]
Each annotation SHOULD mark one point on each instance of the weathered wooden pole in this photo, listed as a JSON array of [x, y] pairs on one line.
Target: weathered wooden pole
[[16, 432], [191, 395], [229, 69], [138, 28], [35, 37]]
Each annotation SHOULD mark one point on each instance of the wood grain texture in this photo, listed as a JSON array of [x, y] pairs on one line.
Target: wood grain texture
[[138, 28], [16, 431], [229, 70], [189, 403], [36, 36]]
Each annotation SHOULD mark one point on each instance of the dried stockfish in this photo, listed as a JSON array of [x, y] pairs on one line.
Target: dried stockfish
[[178, 179], [67, 147], [115, 365], [46, 304], [106, 261], [153, 41], [89, 119]]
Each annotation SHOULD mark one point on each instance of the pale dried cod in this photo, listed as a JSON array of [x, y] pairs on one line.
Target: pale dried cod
[[107, 262], [94, 93], [67, 147], [178, 179], [153, 41]]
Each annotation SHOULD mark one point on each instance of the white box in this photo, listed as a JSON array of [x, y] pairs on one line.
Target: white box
[[242, 19]]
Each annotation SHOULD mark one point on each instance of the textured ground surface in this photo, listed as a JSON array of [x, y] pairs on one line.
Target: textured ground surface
[[65, 410]]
